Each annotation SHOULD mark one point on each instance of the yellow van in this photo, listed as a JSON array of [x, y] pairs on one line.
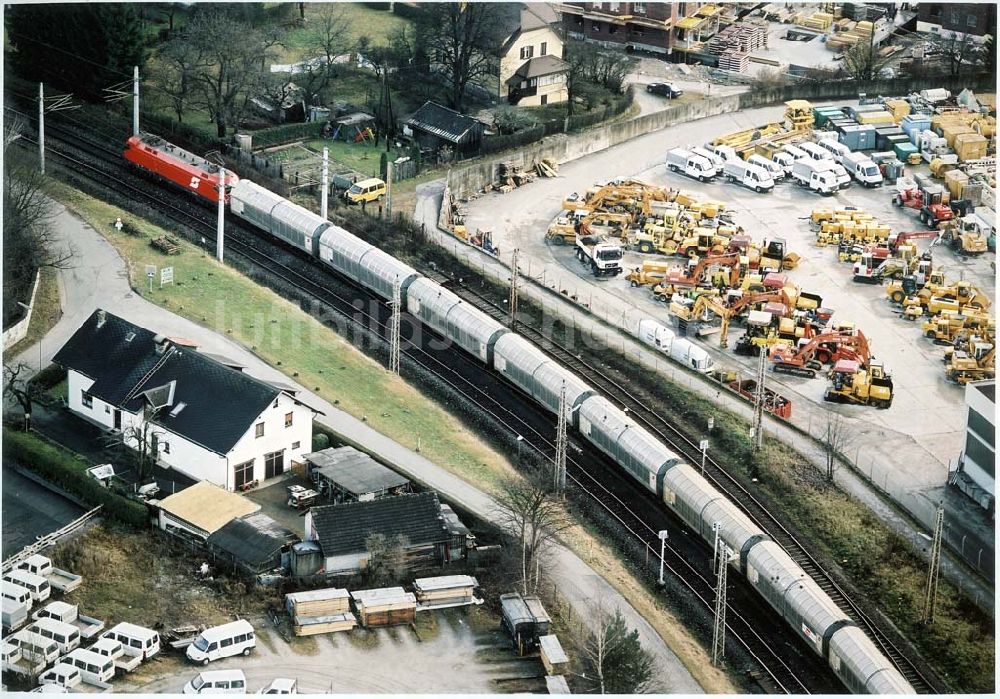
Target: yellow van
[[366, 190]]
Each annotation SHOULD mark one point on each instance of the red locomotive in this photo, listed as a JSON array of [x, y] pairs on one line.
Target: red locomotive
[[175, 164]]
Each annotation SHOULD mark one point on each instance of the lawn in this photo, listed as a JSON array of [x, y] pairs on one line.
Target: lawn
[[363, 21], [362, 158], [281, 334]]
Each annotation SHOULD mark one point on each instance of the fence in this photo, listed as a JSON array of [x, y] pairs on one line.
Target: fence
[[49, 539], [18, 331], [271, 168]]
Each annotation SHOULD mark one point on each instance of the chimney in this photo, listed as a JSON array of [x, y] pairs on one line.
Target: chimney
[[102, 318], [161, 343]]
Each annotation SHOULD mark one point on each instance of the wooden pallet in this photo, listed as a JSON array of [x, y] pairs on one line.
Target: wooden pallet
[[166, 244]]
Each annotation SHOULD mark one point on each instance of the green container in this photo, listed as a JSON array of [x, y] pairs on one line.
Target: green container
[[904, 150]]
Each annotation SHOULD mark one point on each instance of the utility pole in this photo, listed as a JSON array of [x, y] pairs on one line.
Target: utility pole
[[41, 127], [220, 225], [325, 178], [719, 629], [513, 287], [562, 441], [388, 188], [930, 600], [394, 327], [664, 535], [757, 430], [135, 101]]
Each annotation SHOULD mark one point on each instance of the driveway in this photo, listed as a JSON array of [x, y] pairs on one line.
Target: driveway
[[31, 510]]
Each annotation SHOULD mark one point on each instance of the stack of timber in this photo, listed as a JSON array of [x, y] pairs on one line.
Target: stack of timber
[[386, 606], [553, 656], [445, 591], [734, 61], [320, 611], [511, 176], [547, 168], [743, 37]]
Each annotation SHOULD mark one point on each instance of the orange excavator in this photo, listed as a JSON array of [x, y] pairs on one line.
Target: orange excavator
[[681, 277], [727, 311], [824, 348]]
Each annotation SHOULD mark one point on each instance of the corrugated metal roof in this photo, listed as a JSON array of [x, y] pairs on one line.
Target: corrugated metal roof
[[441, 121], [354, 471]]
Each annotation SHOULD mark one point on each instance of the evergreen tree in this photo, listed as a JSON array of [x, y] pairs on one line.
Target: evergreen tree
[[80, 48]]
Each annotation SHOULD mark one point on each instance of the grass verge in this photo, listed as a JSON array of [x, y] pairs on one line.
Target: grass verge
[[284, 336], [46, 313]]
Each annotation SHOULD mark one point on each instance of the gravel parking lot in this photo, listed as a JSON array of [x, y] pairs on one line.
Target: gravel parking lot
[[457, 658], [927, 416]]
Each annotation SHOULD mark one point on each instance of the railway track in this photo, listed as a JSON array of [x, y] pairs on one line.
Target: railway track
[[778, 677], [888, 640]]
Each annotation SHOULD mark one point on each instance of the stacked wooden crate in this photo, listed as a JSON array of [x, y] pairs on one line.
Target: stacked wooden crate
[[734, 61], [386, 606], [445, 591], [320, 611], [553, 656]]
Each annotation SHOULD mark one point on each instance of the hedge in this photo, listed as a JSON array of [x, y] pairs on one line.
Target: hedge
[[68, 471], [286, 133], [492, 144]]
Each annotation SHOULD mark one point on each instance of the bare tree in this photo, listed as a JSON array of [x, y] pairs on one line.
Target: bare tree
[[30, 239], [19, 388], [534, 517], [863, 61], [463, 39], [142, 437], [387, 559], [619, 662], [958, 50], [174, 71], [331, 38], [836, 439]]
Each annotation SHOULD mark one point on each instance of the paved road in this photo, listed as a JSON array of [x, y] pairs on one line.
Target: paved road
[[99, 275], [31, 511]]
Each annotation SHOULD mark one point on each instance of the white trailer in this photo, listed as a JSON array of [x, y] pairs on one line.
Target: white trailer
[[751, 176], [603, 254], [15, 614], [58, 578], [817, 175], [690, 355], [686, 162], [863, 169]]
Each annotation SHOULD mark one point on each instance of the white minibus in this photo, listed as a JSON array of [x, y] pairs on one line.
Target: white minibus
[[66, 635], [36, 584], [222, 642], [137, 640], [94, 668], [217, 682]]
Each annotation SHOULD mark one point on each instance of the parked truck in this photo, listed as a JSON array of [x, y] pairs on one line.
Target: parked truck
[[817, 175], [58, 578], [602, 253], [686, 162], [862, 168], [14, 614], [110, 648], [751, 176], [70, 614]]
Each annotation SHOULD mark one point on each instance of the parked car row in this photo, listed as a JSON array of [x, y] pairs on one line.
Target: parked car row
[[825, 167]]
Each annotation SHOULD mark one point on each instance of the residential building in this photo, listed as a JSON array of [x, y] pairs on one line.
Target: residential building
[[191, 412], [434, 126], [642, 26], [947, 19], [977, 473], [341, 531], [532, 72]]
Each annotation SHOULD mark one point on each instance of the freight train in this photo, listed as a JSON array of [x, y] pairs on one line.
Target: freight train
[[770, 570]]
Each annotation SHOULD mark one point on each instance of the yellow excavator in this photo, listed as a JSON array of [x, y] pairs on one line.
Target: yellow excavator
[[854, 383], [975, 365]]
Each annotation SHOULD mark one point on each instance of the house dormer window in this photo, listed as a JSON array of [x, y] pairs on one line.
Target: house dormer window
[[527, 52]]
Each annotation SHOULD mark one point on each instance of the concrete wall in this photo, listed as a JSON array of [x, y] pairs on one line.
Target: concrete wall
[[468, 179], [18, 330]]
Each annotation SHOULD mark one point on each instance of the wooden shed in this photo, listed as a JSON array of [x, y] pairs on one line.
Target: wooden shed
[[553, 656], [524, 619], [445, 591], [386, 606], [434, 126]]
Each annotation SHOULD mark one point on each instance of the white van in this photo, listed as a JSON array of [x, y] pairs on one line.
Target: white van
[[137, 640], [222, 642], [777, 171], [716, 160], [838, 149], [66, 635], [16, 593], [725, 152], [816, 152], [217, 682], [34, 647], [36, 584], [796, 152], [63, 675], [655, 334], [784, 161], [94, 669]]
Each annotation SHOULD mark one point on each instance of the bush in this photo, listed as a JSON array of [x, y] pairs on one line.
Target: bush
[[48, 377], [68, 471], [493, 144]]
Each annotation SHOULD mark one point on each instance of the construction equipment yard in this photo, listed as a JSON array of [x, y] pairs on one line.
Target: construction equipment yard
[[908, 448]]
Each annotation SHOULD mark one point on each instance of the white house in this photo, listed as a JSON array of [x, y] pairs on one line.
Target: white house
[[532, 72], [203, 418]]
